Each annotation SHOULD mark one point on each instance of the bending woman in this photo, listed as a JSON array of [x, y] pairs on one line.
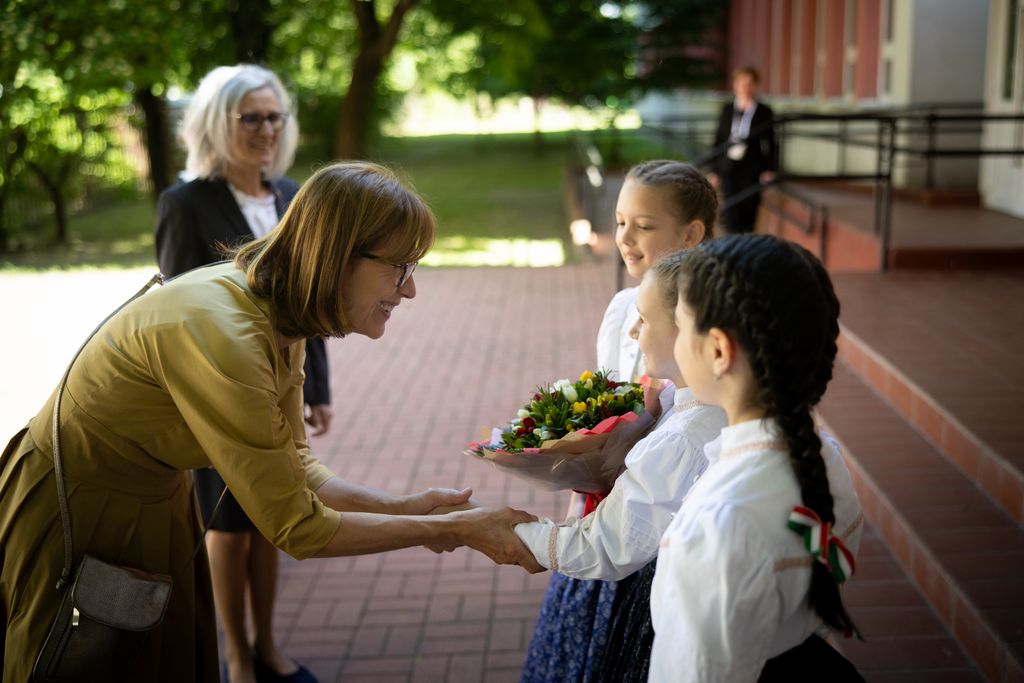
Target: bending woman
[[208, 371]]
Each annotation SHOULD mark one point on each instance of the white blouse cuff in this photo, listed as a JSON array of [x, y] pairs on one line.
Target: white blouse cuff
[[537, 537]]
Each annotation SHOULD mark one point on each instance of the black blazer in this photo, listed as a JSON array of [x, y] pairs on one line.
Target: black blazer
[[195, 220], [762, 148]]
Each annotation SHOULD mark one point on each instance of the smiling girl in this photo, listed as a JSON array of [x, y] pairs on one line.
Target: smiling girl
[[663, 206]]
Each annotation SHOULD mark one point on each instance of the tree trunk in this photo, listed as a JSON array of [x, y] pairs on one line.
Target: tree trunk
[[251, 29], [376, 41], [356, 109], [158, 145], [15, 149], [60, 213], [4, 236], [615, 143]]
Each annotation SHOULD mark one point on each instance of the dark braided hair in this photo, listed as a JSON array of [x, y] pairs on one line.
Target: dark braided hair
[[693, 196], [776, 300], [666, 272]]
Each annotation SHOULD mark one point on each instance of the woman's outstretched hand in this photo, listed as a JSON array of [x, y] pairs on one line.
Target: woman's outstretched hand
[[490, 531]]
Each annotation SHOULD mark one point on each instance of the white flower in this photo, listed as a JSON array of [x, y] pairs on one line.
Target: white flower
[[589, 384], [560, 385], [537, 431], [622, 390], [570, 394], [523, 413]]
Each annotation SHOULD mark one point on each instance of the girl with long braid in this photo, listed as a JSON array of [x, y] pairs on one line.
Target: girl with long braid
[[750, 568]]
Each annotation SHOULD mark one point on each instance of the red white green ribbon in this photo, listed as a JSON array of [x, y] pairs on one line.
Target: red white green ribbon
[[821, 543]]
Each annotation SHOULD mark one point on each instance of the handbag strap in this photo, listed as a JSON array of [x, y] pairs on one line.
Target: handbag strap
[[62, 497]]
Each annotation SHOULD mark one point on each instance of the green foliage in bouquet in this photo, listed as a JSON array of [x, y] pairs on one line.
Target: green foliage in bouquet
[[565, 407]]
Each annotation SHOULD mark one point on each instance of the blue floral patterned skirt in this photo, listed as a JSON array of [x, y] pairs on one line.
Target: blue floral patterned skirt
[[571, 635]]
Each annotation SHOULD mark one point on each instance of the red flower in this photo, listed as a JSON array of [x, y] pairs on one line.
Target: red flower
[[528, 423], [537, 397]]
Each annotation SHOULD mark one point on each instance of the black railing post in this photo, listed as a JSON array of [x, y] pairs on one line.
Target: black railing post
[[823, 236], [929, 177], [842, 146], [885, 210], [876, 191]]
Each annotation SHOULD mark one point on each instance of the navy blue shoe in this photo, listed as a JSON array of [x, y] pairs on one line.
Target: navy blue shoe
[[264, 674]]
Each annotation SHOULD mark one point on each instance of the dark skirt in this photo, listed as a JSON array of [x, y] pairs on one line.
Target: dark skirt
[[812, 660], [230, 517], [571, 635], [631, 635]]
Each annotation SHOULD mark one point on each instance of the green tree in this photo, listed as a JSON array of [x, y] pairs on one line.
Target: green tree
[[682, 43], [94, 57], [314, 39]]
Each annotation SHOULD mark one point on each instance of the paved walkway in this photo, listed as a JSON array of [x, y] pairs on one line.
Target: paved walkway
[[454, 361]]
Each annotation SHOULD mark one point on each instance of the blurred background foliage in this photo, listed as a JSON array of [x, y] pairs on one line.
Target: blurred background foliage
[[90, 93]]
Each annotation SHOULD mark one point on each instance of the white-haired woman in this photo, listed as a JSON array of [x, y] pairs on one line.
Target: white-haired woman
[[241, 137]]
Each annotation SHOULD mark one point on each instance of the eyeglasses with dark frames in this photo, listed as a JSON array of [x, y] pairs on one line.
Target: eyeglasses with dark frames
[[253, 122], [405, 269]]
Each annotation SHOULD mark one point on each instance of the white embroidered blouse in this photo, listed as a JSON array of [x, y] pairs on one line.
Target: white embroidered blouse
[[616, 350], [621, 535], [731, 587]]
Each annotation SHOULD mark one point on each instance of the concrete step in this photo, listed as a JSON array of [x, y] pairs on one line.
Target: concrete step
[[904, 640], [922, 236], [962, 550], [943, 349]]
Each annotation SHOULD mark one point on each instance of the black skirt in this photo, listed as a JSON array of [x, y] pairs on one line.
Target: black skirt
[[627, 656], [230, 517], [812, 660]]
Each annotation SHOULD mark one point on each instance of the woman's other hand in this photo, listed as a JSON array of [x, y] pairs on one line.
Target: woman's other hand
[[427, 502], [319, 418]]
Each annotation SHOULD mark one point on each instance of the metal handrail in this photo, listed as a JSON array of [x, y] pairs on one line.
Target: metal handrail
[[886, 127]]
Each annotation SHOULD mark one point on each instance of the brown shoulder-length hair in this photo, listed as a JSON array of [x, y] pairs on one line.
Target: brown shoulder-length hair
[[344, 209]]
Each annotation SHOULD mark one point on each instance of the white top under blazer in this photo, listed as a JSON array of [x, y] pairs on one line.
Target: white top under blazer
[[622, 534], [731, 587]]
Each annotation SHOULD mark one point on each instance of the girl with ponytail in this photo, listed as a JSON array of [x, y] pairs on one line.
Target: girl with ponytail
[[750, 569]]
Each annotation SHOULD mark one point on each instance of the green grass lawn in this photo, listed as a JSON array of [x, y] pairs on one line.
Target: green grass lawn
[[498, 201]]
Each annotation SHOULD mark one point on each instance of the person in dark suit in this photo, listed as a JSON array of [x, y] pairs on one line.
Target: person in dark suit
[[240, 139], [751, 156]]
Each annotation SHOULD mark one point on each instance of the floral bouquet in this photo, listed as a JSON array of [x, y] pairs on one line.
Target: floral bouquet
[[571, 435]]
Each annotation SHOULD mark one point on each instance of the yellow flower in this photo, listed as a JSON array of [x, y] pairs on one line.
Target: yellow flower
[[587, 374], [579, 408]]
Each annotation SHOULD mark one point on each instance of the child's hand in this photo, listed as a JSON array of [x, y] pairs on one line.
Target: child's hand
[[652, 395]]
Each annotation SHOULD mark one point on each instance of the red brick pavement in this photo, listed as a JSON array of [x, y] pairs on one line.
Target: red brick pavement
[[455, 360]]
